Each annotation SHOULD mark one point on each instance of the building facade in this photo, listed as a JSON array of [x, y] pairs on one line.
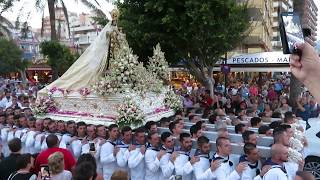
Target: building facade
[[309, 13], [84, 31], [278, 7], [260, 35]]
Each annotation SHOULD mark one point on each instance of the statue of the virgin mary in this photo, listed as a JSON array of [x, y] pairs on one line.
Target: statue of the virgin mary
[[93, 62]]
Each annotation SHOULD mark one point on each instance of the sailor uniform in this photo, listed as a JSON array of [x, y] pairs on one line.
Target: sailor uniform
[[65, 141], [136, 164], [166, 166], [152, 164], [4, 140], [30, 139], [123, 156], [38, 141], [76, 147], [23, 137], [251, 171], [291, 169], [201, 169], [97, 154], [183, 166], [226, 170], [108, 160], [277, 172]]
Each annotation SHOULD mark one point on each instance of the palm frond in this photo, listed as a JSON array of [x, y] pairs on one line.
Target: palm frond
[[65, 12], [98, 11], [40, 4], [5, 31], [6, 5], [5, 21]]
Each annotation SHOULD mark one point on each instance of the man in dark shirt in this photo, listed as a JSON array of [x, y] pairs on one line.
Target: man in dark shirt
[[9, 164]]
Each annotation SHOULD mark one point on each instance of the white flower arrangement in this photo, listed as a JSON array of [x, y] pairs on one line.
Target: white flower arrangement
[[172, 100], [294, 156], [158, 64], [295, 144], [127, 73], [129, 114]]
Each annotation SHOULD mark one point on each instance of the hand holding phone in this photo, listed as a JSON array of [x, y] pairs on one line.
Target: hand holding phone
[[291, 32], [44, 172]]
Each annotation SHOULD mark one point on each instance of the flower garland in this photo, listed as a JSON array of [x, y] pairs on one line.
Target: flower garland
[[172, 100], [43, 106], [129, 114], [296, 144]]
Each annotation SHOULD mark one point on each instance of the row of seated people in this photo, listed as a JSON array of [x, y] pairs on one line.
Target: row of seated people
[[109, 150]]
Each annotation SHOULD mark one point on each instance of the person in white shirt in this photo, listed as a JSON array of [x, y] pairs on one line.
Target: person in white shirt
[[152, 157], [90, 139], [108, 153], [175, 129], [279, 155], [167, 160], [66, 137], [125, 148], [226, 170], [99, 141], [76, 144], [13, 103], [31, 136], [204, 168], [136, 157], [281, 135], [184, 162], [252, 158], [5, 100]]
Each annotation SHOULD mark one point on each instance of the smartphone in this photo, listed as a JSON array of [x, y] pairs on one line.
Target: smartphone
[[291, 32], [92, 147], [45, 173]]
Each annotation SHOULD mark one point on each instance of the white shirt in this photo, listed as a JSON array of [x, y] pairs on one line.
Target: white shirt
[[250, 173], [202, 170], [123, 157], [38, 141], [136, 164], [108, 160], [291, 169], [64, 175], [10, 104], [4, 102], [225, 171], [166, 166], [30, 140], [152, 165], [4, 138], [275, 173], [183, 166], [76, 147]]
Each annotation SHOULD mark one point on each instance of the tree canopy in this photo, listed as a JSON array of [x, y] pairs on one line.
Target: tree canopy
[[11, 57], [59, 56], [198, 32]]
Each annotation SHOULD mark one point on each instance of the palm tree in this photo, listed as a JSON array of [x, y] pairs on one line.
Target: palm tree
[[5, 24]]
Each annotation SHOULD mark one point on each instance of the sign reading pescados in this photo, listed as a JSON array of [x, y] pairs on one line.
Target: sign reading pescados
[[260, 58]]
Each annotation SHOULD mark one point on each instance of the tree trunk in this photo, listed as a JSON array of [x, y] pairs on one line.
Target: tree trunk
[[23, 76], [295, 91], [210, 81], [52, 14]]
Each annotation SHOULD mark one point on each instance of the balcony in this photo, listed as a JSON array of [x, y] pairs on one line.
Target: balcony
[[276, 44]]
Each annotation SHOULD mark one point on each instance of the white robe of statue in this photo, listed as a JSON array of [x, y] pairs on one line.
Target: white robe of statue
[[89, 66]]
